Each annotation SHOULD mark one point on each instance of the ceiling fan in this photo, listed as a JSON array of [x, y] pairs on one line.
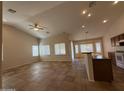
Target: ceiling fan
[[37, 27]]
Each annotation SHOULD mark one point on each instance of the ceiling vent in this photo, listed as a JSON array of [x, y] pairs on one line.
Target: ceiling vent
[[11, 11]]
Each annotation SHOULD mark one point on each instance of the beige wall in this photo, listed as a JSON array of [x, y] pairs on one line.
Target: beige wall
[[17, 48], [0, 44], [91, 35], [116, 29], [93, 32], [62, 38]]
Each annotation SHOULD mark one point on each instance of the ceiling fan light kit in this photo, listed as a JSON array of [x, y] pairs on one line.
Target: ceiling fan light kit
[[37, 27]]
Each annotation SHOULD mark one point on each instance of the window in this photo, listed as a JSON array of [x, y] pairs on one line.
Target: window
[[92, 45], [35, 50], [98, 50], [60, 49], [45, 50], [76, 49], [98, 47], [86, 47]]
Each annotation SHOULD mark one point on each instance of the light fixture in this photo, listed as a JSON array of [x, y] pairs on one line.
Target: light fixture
[[115, 2], [84, 12], [89, 15], [83, 26], [105, 21], [4, 20], [35, 29]]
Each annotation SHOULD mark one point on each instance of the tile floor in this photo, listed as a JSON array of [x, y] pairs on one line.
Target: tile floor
[[57, 76]]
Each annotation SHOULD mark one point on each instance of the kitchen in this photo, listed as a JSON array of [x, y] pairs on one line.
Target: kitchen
[[118, 55]]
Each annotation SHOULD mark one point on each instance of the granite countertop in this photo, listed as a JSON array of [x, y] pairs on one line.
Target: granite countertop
[[87, 53], [100, 58]]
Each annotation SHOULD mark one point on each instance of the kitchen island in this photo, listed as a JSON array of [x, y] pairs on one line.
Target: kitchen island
[[102, 69], [98, 69]]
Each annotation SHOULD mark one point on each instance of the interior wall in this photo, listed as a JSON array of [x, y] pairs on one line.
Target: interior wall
[[61, 38], [93, 32], [0, 44], [116, 29], [17, 48]]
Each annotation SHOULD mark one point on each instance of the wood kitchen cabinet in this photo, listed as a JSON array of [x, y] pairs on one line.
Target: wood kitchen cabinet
[[111, 55], [115, 40], [122, 37], [112, 42], [102, 69]]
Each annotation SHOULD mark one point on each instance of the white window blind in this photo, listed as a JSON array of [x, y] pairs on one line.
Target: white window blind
[[35, 50], [60, 49], [98, 47], [86, 47], [45, 50], [76, 49]]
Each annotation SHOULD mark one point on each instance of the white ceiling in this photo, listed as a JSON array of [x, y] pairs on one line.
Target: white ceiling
[[59, 16]]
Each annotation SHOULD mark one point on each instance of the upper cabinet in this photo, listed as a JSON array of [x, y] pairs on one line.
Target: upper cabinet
[[115, 40]]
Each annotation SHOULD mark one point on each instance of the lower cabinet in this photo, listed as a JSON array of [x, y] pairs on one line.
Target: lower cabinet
[[102, 69]]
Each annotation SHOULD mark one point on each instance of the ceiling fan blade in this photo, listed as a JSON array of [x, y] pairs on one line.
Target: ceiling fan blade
[[44, 26], [31, 28], [31, 25], [36, 26], [41, 28]]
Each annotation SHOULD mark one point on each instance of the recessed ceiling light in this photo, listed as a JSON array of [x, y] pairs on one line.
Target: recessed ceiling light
[[84, 12], [105, 21], [89, 15], [115, 2], [83, 26]]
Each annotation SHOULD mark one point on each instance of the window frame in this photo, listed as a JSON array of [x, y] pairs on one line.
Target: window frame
[[96, 47], [60, 50], [41, 50], [37, 51], [93, 41], [77, 49], [87, 44]]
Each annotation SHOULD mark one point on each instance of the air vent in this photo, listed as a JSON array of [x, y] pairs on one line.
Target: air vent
[[11, 11]]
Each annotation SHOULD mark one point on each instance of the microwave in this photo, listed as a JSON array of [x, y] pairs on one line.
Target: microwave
[[121, 43]]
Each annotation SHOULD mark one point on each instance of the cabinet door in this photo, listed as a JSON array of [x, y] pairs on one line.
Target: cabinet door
[[122, 37], [112, 42], [117, 41]]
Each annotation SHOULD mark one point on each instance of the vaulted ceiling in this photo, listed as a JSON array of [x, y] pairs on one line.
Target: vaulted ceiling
[[60, 16]]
